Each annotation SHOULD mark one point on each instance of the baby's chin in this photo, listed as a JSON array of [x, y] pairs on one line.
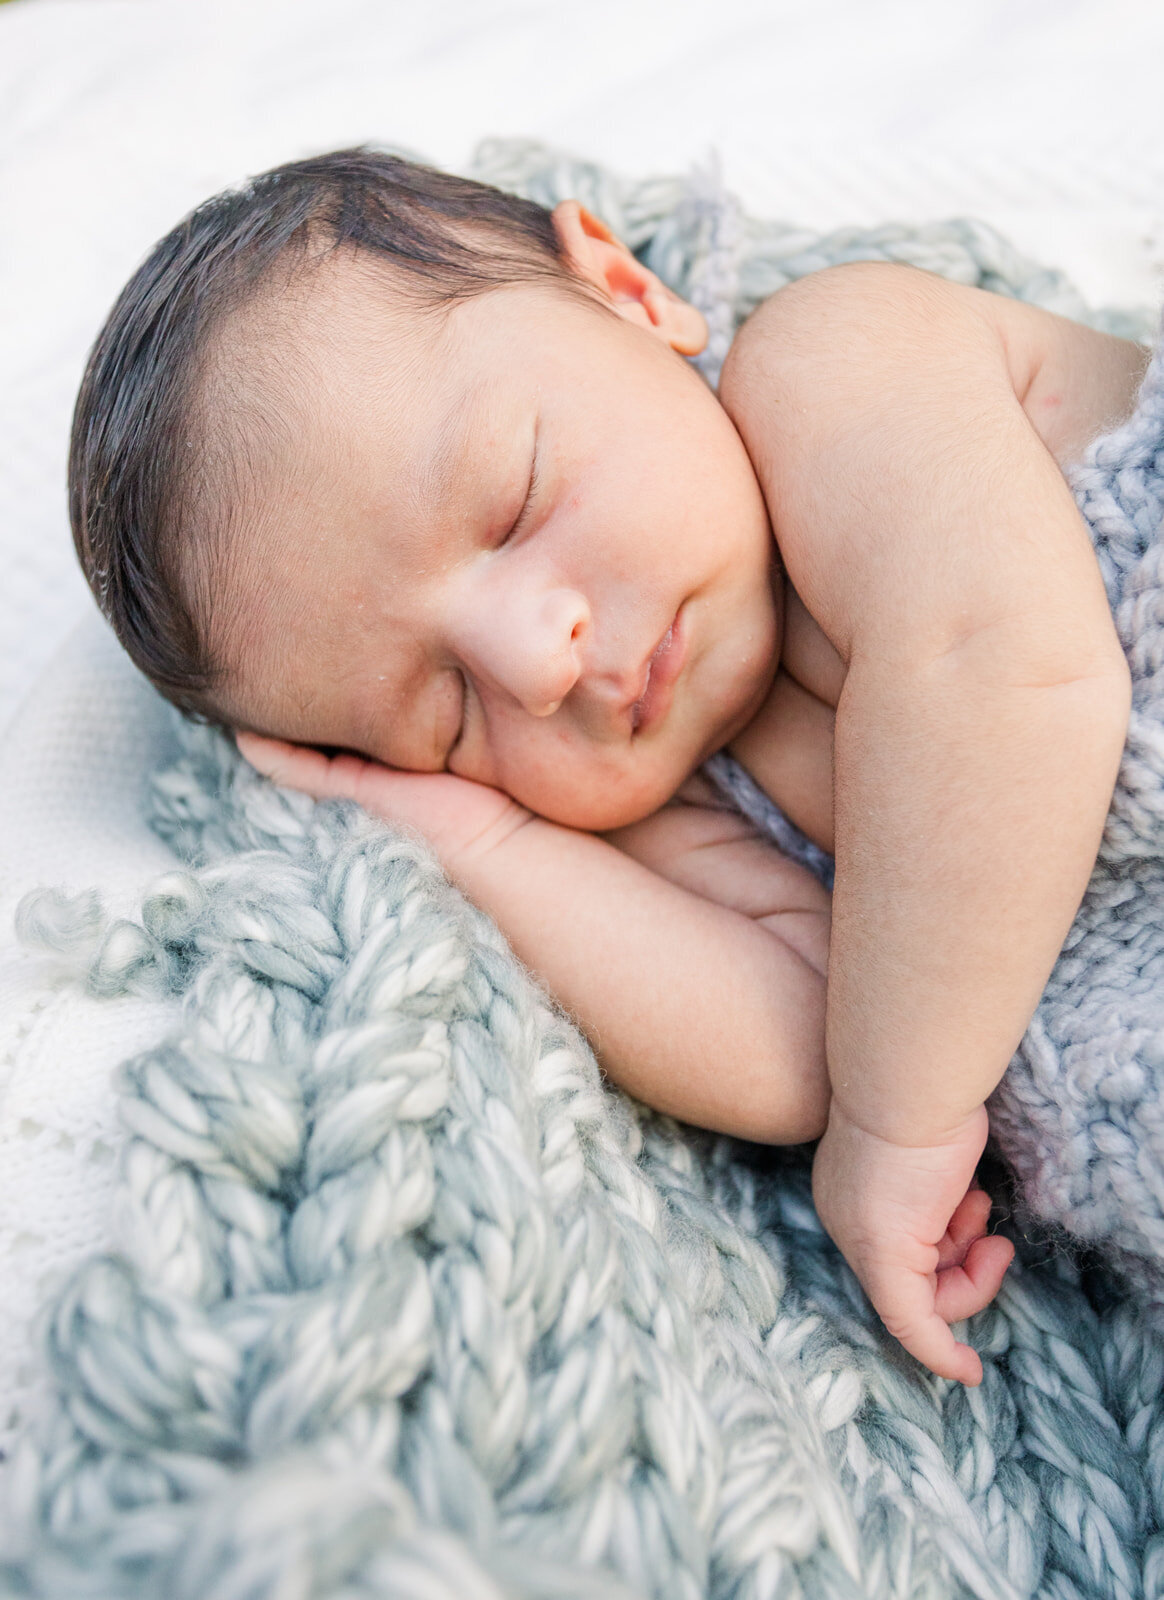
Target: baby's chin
[[599, 802], [597, 793], [603, 814]]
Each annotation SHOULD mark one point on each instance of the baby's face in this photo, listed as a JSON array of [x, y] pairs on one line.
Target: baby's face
[[522, 543]]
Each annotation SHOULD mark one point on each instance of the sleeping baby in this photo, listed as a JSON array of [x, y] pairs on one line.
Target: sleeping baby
[[409, 483]]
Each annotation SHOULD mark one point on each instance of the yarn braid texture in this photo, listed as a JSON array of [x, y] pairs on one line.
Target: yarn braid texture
[[410, 1303]]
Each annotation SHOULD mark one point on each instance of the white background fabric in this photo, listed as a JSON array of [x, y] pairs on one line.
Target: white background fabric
[[1044, 117]]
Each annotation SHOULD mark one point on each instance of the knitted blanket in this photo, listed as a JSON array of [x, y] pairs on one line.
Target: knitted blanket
[[410, 1303]]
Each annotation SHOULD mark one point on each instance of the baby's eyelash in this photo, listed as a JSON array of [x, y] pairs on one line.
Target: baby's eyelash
[[460, 733], [530, 496]]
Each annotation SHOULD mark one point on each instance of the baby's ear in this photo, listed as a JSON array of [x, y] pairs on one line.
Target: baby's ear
[[635, 292]]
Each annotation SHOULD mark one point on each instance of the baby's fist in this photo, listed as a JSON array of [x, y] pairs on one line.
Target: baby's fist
[[912, 1225]]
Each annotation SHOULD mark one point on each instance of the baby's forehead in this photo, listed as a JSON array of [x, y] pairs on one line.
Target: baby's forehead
[[335, 305], [286, 368], [348, 303], [333, 398], [338, 362]]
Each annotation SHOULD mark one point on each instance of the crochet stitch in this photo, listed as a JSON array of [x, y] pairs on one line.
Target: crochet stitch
[[410, 1303]]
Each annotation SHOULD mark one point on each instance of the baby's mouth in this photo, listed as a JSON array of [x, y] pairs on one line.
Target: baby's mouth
[[663, 668]]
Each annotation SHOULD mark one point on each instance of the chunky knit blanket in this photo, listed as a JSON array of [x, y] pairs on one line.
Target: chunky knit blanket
[[410, 1303]]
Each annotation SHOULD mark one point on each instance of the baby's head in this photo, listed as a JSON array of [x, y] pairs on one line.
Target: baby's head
[[375, 457]]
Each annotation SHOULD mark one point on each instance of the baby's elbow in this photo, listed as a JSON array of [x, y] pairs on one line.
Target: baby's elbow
[[1113, 687], [810, 1125], [800, 1124], [1117, 676], [1113, 690], [791, 1104], [1099, 686], [1073, 655]]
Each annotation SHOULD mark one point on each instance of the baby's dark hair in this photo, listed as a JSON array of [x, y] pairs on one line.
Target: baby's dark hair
[[146, 487]]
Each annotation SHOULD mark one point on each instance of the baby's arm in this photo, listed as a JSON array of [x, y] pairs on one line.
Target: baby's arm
[[978, 734], [692, 954]]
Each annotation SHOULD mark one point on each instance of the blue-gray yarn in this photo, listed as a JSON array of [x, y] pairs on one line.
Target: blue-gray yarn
[[412, 1304]]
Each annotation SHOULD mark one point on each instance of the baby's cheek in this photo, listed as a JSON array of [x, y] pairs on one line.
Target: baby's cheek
[[598, 798]]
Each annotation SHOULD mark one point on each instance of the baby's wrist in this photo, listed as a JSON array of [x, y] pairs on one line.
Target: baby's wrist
[[896, 1131], [487, 853]]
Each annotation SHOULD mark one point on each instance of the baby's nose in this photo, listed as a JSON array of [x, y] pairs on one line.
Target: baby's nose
[[534, 651], [550, 662]]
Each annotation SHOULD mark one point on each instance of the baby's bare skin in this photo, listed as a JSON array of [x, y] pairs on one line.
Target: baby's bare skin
[[1073, 384], [906, 435], [692, 953]]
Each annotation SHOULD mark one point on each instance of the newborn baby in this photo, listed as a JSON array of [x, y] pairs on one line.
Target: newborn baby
[[410, 484]]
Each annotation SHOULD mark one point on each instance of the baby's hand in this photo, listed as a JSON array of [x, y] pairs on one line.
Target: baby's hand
[[461, 820], [911, 1224]]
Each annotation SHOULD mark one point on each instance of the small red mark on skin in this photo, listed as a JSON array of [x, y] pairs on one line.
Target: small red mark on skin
[[1051, 400]]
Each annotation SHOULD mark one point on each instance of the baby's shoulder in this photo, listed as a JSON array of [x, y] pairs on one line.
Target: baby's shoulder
[[1072, 381], [819, 314]]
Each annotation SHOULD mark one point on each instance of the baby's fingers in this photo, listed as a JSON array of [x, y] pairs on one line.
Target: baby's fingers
[[460, 819], [917, 1310], [405, 798], [298, 766], [963, 1290], [971, 1264], [911, 1317], [967, 1224]]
